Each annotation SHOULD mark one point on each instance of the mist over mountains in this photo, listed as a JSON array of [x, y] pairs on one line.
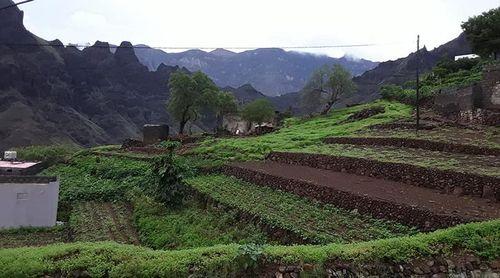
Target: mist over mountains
[[272, 71]]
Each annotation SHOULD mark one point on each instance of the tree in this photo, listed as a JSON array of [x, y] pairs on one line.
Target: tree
[[483, 32], [258, 111], [222, 104], [326, 86], [188, 94]]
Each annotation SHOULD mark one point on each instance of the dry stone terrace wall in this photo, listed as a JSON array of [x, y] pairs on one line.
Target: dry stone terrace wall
[[446, 181], [412, 216], [415, 144], [437, 267]]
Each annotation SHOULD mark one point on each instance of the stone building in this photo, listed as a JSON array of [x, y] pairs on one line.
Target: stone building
[[475, 104]]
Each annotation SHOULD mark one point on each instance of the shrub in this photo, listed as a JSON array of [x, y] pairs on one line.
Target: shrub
[[165, 183]]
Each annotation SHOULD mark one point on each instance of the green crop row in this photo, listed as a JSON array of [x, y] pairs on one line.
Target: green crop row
[[311, 220], [116, 260]]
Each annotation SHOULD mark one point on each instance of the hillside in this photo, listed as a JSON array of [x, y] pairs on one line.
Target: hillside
[[404, 69], [308, 199], [272, 71]]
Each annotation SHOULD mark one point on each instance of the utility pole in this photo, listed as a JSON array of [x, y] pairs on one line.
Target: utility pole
[[15, 4], [418, 84]]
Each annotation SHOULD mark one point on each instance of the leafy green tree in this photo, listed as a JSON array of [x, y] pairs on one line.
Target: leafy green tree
[[258, 111], [326, 86], [188, 93], [222, 104], [483, 32]]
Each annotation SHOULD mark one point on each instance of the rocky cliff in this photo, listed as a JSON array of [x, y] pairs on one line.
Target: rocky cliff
[[55, 94]]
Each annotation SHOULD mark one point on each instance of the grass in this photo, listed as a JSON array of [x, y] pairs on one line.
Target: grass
[[475, 164], [483, 136], [49, 154], [116, 260], [192, 225], [308, 219], [298, 134]]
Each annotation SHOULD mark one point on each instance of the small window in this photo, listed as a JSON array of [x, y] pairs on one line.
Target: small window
[[22, 196]]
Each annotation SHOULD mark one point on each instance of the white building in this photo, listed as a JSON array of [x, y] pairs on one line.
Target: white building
[[28, 201]]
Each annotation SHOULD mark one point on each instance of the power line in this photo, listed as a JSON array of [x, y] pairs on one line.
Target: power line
[[197, 47], [15, 4]]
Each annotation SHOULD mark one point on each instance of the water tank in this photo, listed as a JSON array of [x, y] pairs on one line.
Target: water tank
[[10, 155]]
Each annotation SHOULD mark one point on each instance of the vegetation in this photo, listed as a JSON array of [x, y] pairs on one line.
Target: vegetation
[[448, 74], [310, 220], [191, 225], [326, 86], [165, 183], [222, 104], [188, 96], [115, 260], [258, 111], [483, 32], [94, 178], [49, 154], [98, 221], [297, 134]]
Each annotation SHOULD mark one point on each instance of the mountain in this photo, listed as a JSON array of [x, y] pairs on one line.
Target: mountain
[[272, 71], [56, 94], [402, 70]]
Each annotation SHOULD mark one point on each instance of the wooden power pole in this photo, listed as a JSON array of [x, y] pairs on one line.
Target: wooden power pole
[[418, 84]]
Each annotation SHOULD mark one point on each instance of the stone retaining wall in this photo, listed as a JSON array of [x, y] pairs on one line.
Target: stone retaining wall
[[447, 181], [425, 220], [414, 143], [437, 267]]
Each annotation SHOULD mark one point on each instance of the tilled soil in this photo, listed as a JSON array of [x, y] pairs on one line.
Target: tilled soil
[[374, 188]]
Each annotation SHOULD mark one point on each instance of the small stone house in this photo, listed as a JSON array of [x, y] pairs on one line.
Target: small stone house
[[475, 104]]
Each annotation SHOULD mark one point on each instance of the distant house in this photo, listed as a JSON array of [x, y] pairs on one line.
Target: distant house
[[235, 125], [468, 56]]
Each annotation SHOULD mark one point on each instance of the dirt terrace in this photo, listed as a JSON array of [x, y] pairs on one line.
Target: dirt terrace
[[444, 180], [416, 144], [416, 206]]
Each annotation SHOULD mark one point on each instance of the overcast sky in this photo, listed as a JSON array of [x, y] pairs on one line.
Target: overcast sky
[[392, 24]]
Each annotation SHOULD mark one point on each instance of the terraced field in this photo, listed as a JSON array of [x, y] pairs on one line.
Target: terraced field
[[93, 221], [310, 220]]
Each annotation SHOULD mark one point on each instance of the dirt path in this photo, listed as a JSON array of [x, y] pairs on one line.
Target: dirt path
[[379, 189]]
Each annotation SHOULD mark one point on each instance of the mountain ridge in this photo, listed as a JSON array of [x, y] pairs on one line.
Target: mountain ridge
[[272, 71]]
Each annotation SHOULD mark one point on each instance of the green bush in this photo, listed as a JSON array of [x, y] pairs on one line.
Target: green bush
[[165, 182]]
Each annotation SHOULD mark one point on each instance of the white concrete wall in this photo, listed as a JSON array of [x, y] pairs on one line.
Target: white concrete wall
[[28, 205]]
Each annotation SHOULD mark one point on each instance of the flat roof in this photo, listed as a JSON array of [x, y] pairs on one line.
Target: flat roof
[[17, 164]]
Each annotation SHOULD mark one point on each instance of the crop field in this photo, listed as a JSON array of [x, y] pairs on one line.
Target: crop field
[[33, 237], [92, 221], [311, 220], [225, 225], [192, 225]]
